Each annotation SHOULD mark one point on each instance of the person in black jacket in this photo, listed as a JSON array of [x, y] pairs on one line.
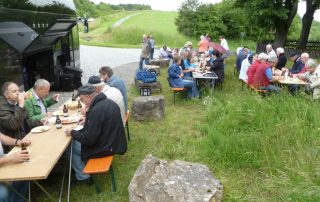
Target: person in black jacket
[[217, 66], [282, 59], [103, 132]]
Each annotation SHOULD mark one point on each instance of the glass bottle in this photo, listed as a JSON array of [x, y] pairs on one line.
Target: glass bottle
[[58, 122], [73, 98], [65, 111]]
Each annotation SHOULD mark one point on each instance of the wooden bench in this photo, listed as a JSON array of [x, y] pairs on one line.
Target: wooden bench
[[176, 90], [127, 124], [97, 166]]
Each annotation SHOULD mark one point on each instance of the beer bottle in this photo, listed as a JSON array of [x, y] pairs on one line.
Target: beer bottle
[[58, 122], [73, 98], [79, 104], [65, 111]]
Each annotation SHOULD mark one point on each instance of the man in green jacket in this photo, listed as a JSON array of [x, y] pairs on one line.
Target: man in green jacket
[[38, 101]]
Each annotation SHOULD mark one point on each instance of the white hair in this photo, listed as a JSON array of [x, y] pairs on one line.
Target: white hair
[[305, 55], [269, 46], [311, 63], [41, 83], [280, 50]]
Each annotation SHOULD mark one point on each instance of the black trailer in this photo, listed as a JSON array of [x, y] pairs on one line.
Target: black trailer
[[39, 39]]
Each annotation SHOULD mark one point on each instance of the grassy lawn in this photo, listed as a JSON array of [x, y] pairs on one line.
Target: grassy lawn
[[261, 149]]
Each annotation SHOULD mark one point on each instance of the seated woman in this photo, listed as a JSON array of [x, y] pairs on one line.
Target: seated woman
[[176, 79], [217, 66], [189, 67]]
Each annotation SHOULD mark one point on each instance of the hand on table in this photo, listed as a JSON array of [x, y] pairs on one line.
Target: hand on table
[[19, 156], [68, 131], [26, 142]]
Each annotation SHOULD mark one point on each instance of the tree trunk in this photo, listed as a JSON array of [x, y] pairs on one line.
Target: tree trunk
[[306, 27], [282, 26]]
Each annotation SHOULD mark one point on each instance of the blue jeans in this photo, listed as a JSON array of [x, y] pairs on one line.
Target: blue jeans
[[192, 88], [77, 163], [151, 53], [6, 195], [271, 89], [141, 62]]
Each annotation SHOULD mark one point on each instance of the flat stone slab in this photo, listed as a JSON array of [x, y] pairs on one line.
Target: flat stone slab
[[176, 181], [160, 62], [155, 87], [154, 67], [148, 107]]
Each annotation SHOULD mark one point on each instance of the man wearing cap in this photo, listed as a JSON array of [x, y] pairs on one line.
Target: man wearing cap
[[262, 60], [103, 132], [187, 47], [112, 93], [298, 62], [263, 76], [246, 63]]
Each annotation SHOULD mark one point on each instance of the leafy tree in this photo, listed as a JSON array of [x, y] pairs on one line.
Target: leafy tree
[[275, 14], [307, 19], [186, 16]]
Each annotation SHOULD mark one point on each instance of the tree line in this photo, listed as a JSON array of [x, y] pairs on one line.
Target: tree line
[[90, 9], [258, 19]]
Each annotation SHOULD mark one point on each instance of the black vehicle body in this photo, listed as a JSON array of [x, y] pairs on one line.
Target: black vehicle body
[[39, 39]]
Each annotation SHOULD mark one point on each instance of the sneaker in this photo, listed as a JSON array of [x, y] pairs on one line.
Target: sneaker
[[87, 181]]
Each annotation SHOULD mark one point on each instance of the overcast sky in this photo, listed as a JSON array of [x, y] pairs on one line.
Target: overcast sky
[[173, 5]]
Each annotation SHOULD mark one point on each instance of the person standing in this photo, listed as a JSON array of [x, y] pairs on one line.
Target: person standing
[[152, 42], [145, 51], [224, 44]]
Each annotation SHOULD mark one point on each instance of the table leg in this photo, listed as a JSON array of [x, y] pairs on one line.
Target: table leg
[[44, 190], [61, 190], [69, 180]]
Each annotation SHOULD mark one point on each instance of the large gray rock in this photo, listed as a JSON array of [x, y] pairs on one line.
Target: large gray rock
[[154, 67], [155, 87], [160, 62], [148, 107], [179, 181]]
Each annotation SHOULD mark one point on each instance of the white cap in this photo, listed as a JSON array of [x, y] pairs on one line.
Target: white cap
[[263, 56]]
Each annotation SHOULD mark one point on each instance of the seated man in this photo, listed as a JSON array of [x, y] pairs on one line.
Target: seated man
[[106, 74], [176, 79], [14, 120], [111, 92], [103, 132], [246, 63], [189, 67], [16, 157], [37, 102], [312, 77], [165, 52], [263, 77], [240, 57]]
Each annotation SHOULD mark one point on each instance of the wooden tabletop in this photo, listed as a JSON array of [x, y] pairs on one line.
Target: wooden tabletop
[[45, 150], [292, 81], [200, 75]]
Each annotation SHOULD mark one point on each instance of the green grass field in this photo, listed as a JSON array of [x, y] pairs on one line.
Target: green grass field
[[261, 149]]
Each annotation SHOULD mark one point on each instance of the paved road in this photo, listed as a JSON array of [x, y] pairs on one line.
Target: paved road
[[118, 23], [123, 61]]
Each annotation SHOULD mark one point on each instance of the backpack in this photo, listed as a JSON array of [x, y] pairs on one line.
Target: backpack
[[146, 76]]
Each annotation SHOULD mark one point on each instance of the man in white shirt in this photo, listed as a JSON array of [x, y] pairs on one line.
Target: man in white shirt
[[224, 44], [270, 52], [111, 92]]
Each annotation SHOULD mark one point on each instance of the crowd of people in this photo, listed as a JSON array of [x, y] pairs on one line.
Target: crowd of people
[[103, 119], [188, 59], [264, 70]]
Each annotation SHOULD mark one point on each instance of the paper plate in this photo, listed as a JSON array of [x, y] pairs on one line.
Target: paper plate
[[40, 129]]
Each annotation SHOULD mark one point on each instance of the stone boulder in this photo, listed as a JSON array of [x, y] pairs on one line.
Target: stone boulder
[[177, 181], [155, 87], [154, 67], [160, 62], [148, 107]]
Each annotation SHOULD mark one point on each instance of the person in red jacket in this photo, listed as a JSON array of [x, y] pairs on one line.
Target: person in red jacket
[[262, 58], [263, 76]]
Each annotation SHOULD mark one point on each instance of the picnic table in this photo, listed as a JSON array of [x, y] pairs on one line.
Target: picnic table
[[204, 79]]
